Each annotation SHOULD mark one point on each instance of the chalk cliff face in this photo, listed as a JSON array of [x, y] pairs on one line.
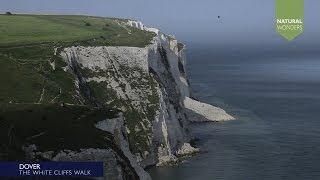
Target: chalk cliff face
[[147, 84], [150, 89]]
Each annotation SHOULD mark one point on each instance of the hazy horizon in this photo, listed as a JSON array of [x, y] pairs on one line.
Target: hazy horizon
[[243, 22]]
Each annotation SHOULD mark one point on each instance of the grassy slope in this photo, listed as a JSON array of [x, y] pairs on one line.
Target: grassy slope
[[25, 72], [31, 29], [27, 45]]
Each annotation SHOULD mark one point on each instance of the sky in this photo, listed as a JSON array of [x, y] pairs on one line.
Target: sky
[[242, 22]]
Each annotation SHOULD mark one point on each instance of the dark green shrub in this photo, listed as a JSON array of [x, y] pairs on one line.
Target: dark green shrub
[[43, 118]]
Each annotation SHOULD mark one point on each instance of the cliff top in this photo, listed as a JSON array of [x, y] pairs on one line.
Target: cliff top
[[17, 30]]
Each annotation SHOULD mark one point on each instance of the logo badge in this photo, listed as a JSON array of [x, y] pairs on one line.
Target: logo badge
[[290, 18]]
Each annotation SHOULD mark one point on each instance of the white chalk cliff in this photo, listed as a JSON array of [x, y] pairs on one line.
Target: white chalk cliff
[[149, 86]]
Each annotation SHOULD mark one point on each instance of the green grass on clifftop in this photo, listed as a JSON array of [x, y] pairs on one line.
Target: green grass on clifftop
[[32, 29]]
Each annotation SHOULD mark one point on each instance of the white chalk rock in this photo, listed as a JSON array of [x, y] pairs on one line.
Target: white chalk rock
[[187, 149], [202, 112]]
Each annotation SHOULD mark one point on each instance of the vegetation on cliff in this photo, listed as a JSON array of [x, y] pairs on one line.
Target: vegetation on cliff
[[36, 89], [51, 128], [34, 29]]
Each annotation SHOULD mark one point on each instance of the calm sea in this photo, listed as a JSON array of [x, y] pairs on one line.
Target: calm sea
[[275, 96]]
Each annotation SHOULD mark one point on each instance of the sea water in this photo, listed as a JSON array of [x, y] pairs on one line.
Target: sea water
[[275, 97]]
